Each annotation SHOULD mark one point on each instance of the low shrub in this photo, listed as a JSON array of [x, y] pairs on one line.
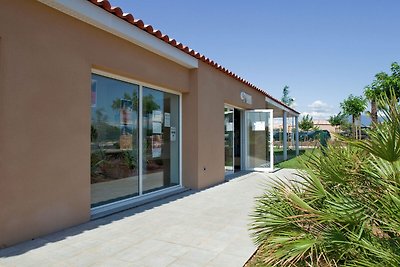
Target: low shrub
[[344, 210]]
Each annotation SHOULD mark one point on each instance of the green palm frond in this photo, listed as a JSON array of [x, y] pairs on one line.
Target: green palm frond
[[344, 210]]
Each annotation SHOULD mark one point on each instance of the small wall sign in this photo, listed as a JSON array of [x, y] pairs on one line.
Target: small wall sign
[[246, 98]]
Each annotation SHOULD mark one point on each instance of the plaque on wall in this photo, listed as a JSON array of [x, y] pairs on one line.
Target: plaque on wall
[[246, 98]]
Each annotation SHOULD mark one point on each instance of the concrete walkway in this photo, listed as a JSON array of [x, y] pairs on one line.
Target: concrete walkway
[[204, 228]]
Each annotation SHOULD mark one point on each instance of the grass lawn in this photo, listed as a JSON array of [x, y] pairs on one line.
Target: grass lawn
[[294, 163]]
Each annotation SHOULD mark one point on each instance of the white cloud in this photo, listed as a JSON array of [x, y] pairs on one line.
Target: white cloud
[[319, 110]]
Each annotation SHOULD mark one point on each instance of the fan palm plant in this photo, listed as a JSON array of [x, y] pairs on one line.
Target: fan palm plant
[[344, 211]]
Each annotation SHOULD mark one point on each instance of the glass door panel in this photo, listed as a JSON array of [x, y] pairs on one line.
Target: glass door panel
[[160, 141], [114, 168], [229, 140], [259, 145]]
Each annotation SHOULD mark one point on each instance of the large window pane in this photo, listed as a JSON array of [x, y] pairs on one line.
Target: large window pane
[[160, 140], [114, 140], [258, 148]]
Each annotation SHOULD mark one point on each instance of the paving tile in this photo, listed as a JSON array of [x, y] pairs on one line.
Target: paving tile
[[185, 263], [173, 250], [156, 260], [109, 249], [141, 250], [82, 243], [107, 262], [28, 259], [84, 259], [197, 256], [239, 249], [207, 228], [213, 245], [222, 260]]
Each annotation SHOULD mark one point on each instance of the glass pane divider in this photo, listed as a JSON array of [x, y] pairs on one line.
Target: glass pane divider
[[140, 149], [271, 138], [180, 140], [233, 140]]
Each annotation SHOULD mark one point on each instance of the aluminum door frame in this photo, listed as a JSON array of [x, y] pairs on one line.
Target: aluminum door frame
[[271, 140]]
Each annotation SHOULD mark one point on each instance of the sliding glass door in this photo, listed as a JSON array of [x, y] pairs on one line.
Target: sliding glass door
[[135, 140], [160, 140], [114, 140], [259, 140]]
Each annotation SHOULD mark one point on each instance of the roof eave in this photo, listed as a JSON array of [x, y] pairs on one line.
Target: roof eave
[[281, 106], [100, 18]]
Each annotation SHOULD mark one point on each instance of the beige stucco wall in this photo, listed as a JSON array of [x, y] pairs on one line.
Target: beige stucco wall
[[216, 89], [46, 59], [190, 133]]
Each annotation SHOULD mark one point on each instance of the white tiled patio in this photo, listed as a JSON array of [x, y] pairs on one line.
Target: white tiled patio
[[204, 228]]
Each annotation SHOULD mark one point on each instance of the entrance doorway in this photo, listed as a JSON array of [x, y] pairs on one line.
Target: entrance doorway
[[248, 140], [233, 140], [259, 140]]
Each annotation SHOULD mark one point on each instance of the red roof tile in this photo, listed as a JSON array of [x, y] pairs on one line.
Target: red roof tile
[[104, 4]]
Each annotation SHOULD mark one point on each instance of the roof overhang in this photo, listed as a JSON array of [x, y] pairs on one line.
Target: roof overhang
[[91, 14], [281, 107]]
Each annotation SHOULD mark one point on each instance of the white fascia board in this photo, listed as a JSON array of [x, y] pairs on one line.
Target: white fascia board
[[280, 106], [98, 17]]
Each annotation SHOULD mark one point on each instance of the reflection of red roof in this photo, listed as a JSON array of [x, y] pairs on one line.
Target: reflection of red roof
[[117, 11]]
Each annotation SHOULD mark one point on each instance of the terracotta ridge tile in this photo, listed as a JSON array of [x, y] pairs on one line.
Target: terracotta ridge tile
[[117, 11], [172, 42], [139, 23], [149, 28], [158, 34], [129, 17]]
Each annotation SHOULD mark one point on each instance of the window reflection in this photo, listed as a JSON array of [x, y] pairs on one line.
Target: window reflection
[[114, 140], [160, 140]]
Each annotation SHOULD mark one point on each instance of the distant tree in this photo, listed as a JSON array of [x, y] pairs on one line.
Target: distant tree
[[383, 84], [390, 83], [337, 120], [306, 123], [316, 128], [286, 98], [148, 102], [354, 106], [116, 104]]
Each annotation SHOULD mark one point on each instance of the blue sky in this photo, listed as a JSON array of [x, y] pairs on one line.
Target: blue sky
[[323, 50]]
